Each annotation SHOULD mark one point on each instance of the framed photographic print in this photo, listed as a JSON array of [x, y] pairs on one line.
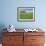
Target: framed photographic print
[[26, 14]]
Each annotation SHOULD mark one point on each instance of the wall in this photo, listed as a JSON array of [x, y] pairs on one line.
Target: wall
[[9, 13]]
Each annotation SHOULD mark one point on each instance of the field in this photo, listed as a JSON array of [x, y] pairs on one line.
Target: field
[[26, 15]]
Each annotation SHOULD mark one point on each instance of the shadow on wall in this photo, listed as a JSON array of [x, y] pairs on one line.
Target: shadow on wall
[[2, 26]]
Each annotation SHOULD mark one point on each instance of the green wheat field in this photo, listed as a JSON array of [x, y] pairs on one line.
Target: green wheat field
[[26, 15]]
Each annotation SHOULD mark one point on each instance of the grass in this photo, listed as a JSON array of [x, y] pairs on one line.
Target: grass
[[26, 15]]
